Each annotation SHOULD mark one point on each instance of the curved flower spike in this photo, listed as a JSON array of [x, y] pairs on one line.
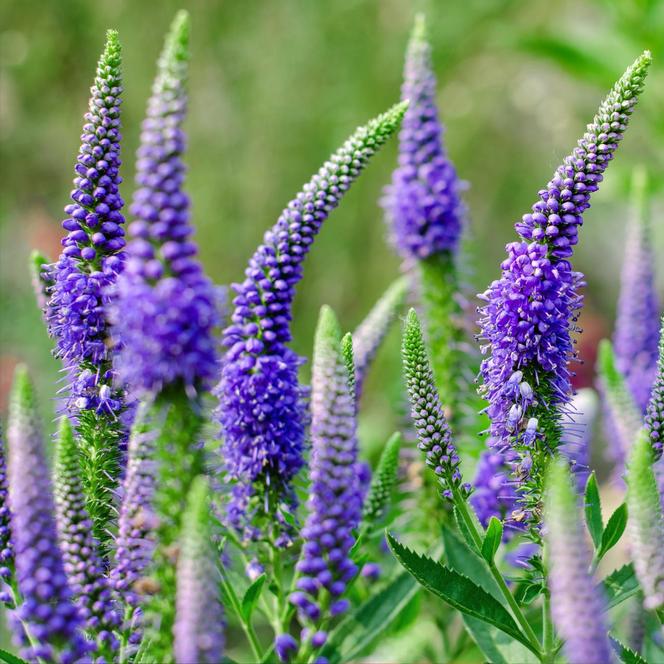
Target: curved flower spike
[[646, 523], [335, 496], [199, 617], [433, 433], [531, 310], [6, 547], [261, 411], [80, 551], [577, 607], [47, 612], [370, 333]]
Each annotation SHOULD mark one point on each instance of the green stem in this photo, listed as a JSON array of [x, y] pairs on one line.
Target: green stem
[[247, 627], [462, 508], [547, 629]]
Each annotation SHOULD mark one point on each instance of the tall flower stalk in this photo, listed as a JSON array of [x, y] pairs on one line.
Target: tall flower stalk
[[199, 623], [49, 623], [165, 312], [654, 420], [530, 312], [7, 576], [78, 286], [637, 323], [425, 214], [577, 607], [335, 495], [262, 405], [80, 551]]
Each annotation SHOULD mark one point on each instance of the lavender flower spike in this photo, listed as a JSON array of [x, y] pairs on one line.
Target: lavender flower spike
[[576, 605], [372, 330], [335, 496], [422, 203], [433, 432], [655, 412], [199, 621], [646, 522], [78, 285], [637, 323], [165, 311], [6, 547], [48, 616], [80, 551], [93, 248], [261, 402], [531, 310], [135, 540]]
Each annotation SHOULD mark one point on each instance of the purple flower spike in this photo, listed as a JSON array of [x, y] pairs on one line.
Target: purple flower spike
[[199, 623], [135, 540], [655, 412], [577, 607], [166, 308], [493, 492], [47, 610], [335, 496], [6, 547], [422, 203], [637, 323], [531, 310], [262, 409], [285, 646], [80, 551], [433, 432], [93, 249]]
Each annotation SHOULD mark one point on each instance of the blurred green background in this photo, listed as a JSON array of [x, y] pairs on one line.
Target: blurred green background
[[276, 86]]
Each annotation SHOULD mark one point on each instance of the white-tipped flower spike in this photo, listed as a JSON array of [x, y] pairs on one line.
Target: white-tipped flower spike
[[577, 607], [645, 524]]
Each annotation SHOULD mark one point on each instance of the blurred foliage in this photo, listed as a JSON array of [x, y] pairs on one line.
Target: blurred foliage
[[275, 86]]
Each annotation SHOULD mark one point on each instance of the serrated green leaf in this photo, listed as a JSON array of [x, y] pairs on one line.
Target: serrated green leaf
[[593, 511], [456, 589], [9, 658], [463, 529], [494, 534], [251, 596], [620, 585], [357, 631], [463, 559], [626, 654], [498, 647], [615, 527]]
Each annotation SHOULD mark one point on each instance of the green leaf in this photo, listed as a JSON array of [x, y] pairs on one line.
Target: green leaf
[[463, 529], [463, 559], [620, 585], [251, 596], [494, 535], [614, 530], [9, 658], [498, 647], [360, 629], [456, 589], [626, 654], [527, 592], [593, 509]]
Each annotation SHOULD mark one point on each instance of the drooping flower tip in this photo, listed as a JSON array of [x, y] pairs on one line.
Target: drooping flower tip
[[261, 411], [433, 432], [576, 605], [335, 495], [422, 203], [47, 607], [165, 313], [646, 522], [199, 622]]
